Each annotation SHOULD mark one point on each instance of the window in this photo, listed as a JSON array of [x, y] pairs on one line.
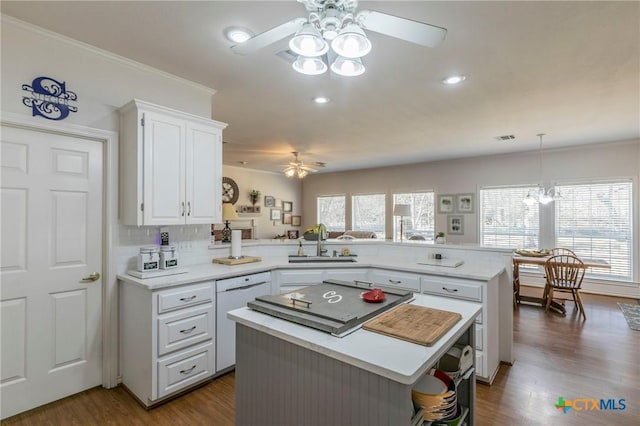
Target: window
[[331, 212], [505, 221], [422, 220], [595, 221], [367, 213]]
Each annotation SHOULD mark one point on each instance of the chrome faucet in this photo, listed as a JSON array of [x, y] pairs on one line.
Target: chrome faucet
[[322, 235]]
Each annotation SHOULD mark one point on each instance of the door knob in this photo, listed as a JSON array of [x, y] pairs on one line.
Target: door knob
[[93, 277]]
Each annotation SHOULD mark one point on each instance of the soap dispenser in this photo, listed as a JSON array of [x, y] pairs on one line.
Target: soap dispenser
[[300, 249]]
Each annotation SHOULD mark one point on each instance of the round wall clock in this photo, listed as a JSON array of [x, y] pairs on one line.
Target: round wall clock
[[230, 191]]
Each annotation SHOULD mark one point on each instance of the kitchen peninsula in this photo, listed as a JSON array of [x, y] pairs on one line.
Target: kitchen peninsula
[[293, 375], [156, 310]]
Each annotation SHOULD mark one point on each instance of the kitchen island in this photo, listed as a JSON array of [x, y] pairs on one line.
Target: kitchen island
[[288, 374]]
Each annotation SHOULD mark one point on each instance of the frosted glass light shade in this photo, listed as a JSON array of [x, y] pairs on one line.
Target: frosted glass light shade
[[309, 66], [347, 67], [351, 42], [308, 42]]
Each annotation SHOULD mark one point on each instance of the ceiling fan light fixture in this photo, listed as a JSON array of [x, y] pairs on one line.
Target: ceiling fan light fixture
[[302, 173], [309, 66], [308, 42], [348, 67], [351, 42], [289, 171]]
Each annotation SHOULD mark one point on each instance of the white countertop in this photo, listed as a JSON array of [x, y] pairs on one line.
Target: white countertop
[[212, 271], [395, 359]]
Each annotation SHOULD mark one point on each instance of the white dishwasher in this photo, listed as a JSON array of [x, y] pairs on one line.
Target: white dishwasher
[[234, 293]]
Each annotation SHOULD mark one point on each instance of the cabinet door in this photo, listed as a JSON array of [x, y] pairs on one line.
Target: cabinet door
[[164, 170], [203, 174]]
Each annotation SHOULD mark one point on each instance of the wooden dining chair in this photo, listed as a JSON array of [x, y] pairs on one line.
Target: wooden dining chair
[[564, 273], [556, 251]]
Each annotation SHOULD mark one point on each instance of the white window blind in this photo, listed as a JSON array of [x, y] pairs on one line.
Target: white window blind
[[368, 213], [422, 220], [505, 221], [331, 212], [595, 221]]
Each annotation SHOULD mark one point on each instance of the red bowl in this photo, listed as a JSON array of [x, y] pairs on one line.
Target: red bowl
[[374, 296]]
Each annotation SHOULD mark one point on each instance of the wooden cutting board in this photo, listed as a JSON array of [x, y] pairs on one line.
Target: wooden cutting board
[[416, 324], [231, 261]]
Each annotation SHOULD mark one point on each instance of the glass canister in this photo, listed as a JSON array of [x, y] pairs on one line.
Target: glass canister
[[149, 259], [168, 257]]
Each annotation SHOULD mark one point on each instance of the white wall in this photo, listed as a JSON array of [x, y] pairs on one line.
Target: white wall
[[274, 184], [615, 159]]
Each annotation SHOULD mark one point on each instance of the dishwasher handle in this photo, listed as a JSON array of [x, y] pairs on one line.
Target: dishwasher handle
[[244, 287]]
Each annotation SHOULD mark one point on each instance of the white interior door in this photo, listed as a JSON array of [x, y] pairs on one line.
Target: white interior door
[[51, 341]]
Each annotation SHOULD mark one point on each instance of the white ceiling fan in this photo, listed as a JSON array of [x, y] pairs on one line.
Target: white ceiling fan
[[334, 33], [298, 168]]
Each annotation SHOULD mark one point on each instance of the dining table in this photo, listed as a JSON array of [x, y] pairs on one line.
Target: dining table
[[540, 260]]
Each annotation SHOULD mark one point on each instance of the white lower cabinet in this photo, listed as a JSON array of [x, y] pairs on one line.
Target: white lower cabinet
[[390, 278], [486, 324], [167, 339]]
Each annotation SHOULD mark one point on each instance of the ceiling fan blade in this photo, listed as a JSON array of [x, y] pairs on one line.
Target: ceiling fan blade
[[402, 28], [270, 36]]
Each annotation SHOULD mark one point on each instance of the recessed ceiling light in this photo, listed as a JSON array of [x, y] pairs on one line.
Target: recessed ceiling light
[[238, 34], [321, 100], [454, 79]]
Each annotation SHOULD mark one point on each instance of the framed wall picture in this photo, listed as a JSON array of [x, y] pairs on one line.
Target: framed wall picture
[[287, 206], [276, 214], [465, 203], [294, 234], [286, 218], [445, 203], [296, 220], [278, 203], [269, 201], [455, 224]]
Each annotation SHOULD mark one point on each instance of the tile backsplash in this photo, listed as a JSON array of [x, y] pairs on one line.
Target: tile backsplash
[[192, 243]]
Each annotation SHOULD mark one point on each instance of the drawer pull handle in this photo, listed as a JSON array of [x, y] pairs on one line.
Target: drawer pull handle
[[450, 290], [188, 299], [188, 330], [395, 281], [188, 370], [367, 283]]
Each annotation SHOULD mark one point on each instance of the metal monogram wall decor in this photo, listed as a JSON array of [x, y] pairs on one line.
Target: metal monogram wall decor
[[49, 98]]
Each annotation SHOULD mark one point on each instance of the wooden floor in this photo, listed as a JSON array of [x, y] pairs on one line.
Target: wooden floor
[[555, 356]]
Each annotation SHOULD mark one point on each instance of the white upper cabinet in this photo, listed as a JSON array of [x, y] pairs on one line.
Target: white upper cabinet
[[170, 167]]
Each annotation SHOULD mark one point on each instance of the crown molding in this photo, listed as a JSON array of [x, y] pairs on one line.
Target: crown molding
[[6, 19]]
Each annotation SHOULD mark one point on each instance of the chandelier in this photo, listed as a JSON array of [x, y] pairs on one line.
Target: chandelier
[[332, 36], [543, 195]]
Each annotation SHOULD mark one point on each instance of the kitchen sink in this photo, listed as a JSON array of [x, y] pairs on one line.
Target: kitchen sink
[[318, 259]]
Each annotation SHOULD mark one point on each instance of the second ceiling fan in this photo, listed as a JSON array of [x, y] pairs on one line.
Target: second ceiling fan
[[334, 34]]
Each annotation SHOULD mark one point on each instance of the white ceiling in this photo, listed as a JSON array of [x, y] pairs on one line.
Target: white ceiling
[[564, 68]]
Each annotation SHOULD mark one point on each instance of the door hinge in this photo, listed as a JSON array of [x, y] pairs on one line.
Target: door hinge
[[142, 121], [141, 207]]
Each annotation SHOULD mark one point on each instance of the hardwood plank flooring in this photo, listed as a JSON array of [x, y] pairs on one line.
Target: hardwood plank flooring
[[555, 356]]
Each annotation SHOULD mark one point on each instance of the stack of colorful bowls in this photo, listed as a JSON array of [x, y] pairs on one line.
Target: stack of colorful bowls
[[436, 394]]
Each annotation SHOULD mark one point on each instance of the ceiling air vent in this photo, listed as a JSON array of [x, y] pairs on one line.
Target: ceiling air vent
[[288, 55], [506, 137]]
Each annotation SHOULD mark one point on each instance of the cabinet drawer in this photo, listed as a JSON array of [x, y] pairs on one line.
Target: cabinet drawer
[[396, 279], [461, 289], [185, 328], [183, 297], [479, 337], [181, 370]]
